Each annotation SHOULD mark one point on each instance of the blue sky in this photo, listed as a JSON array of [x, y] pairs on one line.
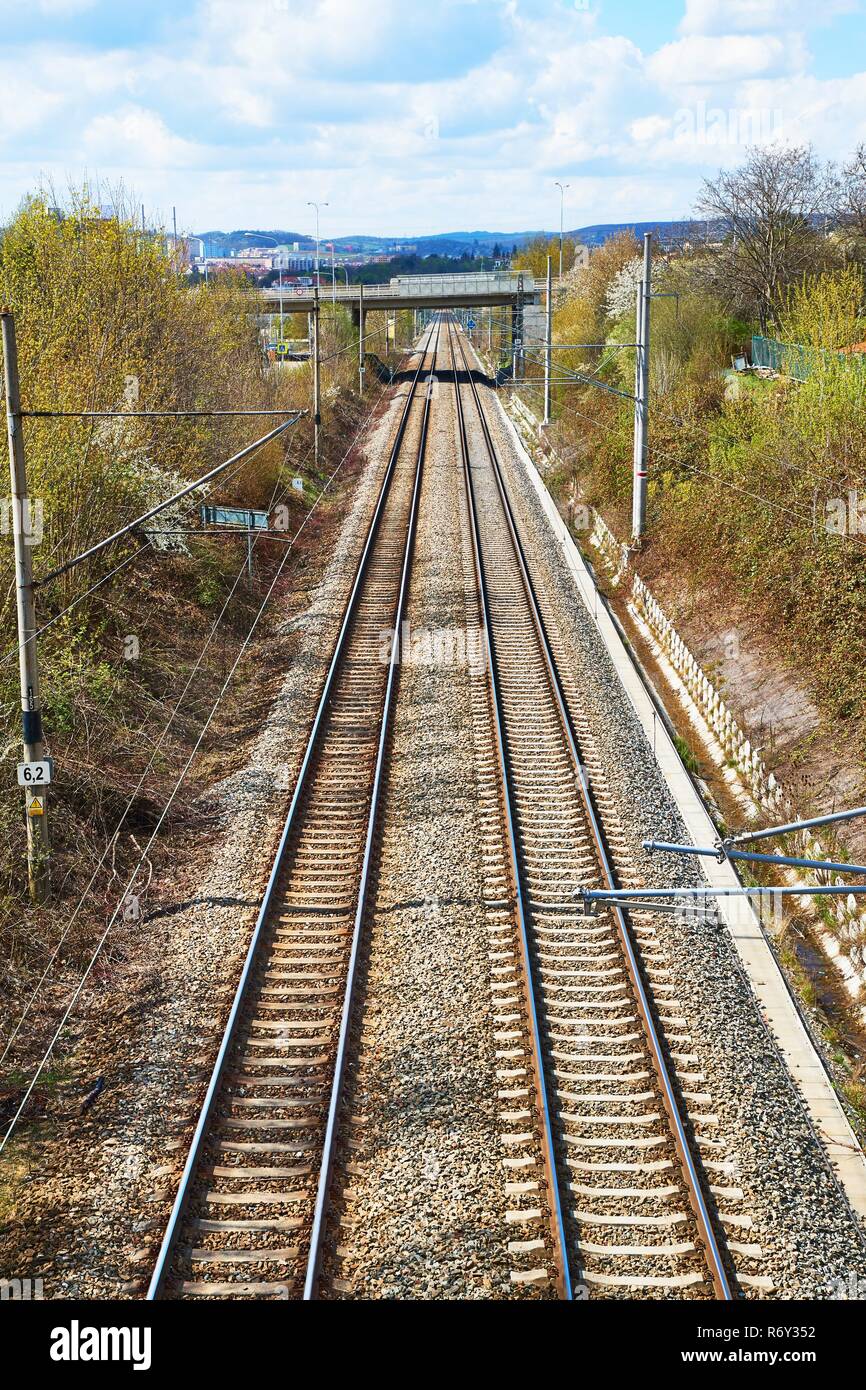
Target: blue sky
[[410, 116]]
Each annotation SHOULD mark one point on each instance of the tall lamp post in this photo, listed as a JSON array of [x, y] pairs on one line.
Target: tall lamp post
[[317, 206], [562, 187], [276, 243]]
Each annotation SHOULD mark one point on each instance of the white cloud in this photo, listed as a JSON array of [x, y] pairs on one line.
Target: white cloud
[[647, 128], [410, 117], [138, 138], [750, 16], [726, 58], [51, 9]]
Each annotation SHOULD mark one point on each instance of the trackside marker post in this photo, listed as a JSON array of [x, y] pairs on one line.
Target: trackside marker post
[[36, 797]]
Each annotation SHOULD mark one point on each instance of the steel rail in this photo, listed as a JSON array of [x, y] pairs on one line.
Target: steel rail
[[166, 1250], [705, 1234], [557, 1222], [314, 1256]]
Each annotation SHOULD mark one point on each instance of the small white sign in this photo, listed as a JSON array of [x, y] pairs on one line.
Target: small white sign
[[35, 774]]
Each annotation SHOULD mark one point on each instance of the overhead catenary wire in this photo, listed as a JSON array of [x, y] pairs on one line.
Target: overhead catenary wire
[[784, 508], [13, 651], [143, 855], [146, 545], [130, 801], [155, 750], [130, 882], [169, 501], [148, 414]]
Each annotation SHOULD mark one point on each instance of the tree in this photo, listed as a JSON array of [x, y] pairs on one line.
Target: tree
[[621, 296], [533, 257], [767, 213], [852, 201]]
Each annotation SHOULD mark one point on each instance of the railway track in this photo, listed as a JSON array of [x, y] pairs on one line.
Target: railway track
[[604, 1172], [250, 1215], [604, 1187]]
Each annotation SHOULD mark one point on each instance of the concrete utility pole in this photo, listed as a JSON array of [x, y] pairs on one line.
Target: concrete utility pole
[[317, 397], [641, 393], [362, 333], [36, 796], [548, 336]]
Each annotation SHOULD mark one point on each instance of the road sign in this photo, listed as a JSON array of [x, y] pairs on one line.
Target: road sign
[[470, 324], [36, 774], [36, 806], [235, 516]]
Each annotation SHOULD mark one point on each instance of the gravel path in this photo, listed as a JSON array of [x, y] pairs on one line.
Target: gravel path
[[808, 1234]]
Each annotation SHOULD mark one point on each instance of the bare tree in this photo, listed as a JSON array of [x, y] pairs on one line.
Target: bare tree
[[852, 200], [766, 221]]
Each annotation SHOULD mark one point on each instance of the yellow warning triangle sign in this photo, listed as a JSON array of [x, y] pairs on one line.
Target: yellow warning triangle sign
[[36, 806]]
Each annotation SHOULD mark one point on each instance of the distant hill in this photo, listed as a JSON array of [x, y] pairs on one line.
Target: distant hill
[[599, 233], [478, 243]]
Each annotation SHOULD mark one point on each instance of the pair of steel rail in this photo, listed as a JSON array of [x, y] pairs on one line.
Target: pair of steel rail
[[706, 1237], [162, 1270]]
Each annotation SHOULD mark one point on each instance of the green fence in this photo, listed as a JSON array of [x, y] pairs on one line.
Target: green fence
[[796, 359]]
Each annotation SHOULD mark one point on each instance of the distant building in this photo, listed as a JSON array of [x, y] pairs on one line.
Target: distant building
[[294, 260]]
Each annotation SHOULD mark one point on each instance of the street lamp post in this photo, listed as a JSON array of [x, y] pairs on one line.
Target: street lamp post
[[276, 243], [317, 206], [562, 187]]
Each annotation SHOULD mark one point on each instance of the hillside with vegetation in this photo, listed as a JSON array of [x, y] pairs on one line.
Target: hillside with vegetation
[[752, 475], [137, 643]]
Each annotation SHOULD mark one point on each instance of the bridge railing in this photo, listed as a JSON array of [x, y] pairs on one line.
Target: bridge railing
[[411, 285]]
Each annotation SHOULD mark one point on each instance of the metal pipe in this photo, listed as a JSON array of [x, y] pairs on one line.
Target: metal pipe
[[548, 334], [794, 825], [722, 852], [161, 506], [806, 890]]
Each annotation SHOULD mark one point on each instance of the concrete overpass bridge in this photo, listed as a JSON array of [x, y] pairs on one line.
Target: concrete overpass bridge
[[499, 288], [515, 292]]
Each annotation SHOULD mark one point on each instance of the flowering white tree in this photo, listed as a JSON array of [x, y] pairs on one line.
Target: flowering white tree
[[621, 295]]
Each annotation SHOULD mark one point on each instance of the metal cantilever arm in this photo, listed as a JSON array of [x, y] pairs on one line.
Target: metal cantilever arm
[[722, 851]]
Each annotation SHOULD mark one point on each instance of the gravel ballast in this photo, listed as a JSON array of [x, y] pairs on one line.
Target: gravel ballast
[[812, 1242], [426, 1211]]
